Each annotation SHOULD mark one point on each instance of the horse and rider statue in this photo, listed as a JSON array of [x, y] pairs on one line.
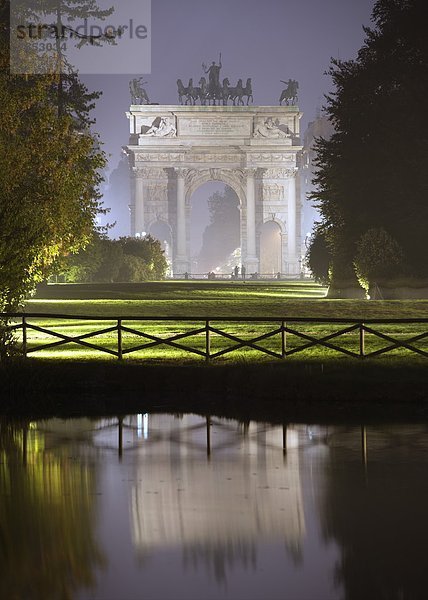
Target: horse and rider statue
[[289, 95], [212, 91]]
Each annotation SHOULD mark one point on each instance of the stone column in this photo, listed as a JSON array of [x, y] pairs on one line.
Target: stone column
[[293, 258], [251, 261], [181, 262], [138, 204]]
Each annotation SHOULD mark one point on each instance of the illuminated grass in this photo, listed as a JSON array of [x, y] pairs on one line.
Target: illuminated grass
[[202, 299], [208, 299]]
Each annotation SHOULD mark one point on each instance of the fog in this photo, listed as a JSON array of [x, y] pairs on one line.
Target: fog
[[269, 41]]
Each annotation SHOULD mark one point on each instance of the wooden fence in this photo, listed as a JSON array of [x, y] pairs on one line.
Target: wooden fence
[[204, 329]]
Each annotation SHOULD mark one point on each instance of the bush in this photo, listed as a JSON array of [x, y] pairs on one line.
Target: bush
[[125, 260], [378, 257], [149, 250], [132, 269]]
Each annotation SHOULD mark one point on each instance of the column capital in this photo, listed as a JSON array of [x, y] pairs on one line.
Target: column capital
[[251, 171], [181, 172], [292, 173]]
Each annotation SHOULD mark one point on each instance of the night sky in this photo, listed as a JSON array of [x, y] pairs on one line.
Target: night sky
[[267, 40]]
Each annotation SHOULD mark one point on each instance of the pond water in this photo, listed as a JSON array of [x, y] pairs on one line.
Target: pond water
[[186, 507]]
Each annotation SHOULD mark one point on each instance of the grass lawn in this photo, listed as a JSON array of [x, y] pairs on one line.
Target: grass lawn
[[202, 299], [316, 384]]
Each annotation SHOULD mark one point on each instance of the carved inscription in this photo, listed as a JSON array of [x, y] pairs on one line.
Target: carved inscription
[[159, 157], [215, 126], [215, 158]]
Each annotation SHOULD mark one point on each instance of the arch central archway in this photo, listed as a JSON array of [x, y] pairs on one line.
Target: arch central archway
[[215, 229]]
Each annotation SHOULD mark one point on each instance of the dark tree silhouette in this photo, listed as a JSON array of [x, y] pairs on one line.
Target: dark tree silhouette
[[371, 172]]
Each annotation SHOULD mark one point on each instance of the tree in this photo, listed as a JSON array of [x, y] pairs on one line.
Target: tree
[[370, 173], [221, 237], [319, 257], [49, 184], [48, 187], [70, 95]]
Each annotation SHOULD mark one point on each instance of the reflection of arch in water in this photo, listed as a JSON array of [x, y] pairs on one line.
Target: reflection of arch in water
[[271, 233], [206, 512]]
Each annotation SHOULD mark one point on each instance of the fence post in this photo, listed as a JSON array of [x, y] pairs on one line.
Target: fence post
[[119, 339], [283, 341], [362, 340], [24, 336], [207, 341], [208, 423]]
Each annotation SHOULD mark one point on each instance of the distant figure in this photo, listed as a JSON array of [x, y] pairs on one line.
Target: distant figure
[[186, 275], [278, 275], [243, 272], [236, 272]]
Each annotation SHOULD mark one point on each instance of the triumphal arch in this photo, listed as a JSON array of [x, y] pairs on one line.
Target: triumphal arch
[[253, 149]]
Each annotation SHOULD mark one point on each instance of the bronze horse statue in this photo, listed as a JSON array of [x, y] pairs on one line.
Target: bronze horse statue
[[248, 91], [184, 92], [221, 94], [225, 91], [237, 93], [200, 92]]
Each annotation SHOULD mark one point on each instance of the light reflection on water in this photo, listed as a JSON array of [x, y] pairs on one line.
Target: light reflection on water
[[164, 506]]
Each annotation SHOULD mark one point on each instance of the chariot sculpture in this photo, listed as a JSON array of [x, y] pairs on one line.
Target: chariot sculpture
[[212, 92]]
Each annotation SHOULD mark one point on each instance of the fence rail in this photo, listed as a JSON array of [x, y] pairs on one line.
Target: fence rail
[[354, 332]]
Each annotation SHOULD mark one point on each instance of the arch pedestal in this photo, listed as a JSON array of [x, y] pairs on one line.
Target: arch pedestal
[[251, 149]]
